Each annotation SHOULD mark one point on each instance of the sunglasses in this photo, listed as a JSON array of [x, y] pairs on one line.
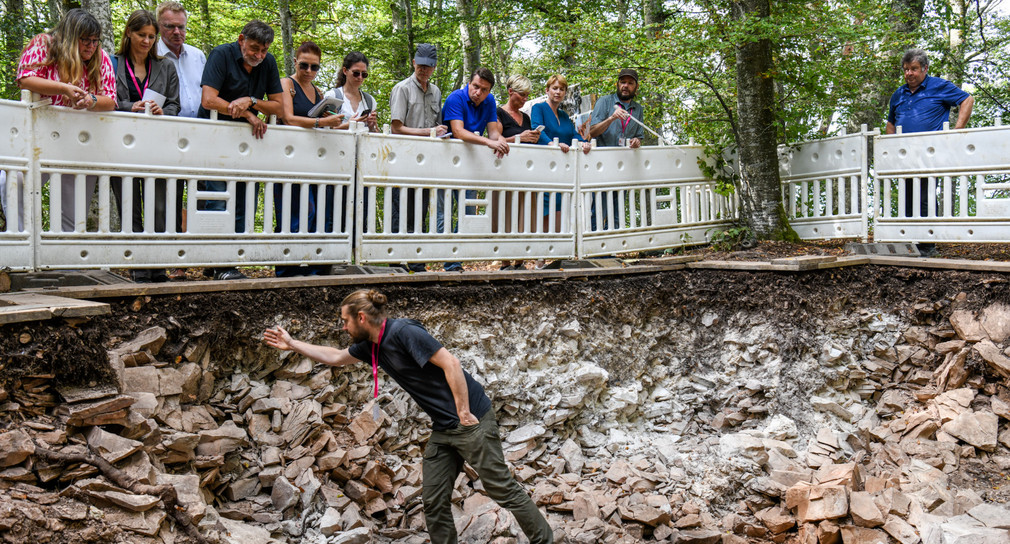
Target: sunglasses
[[307, 66], [90, 41], [356, 73]]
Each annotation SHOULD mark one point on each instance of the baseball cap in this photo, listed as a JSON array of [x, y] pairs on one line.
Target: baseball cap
[[426, 54], [630, 72]]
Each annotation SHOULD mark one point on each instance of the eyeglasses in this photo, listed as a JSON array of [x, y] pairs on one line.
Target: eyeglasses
[[89, 42], [307, 66], [356, 73], [169, 28]]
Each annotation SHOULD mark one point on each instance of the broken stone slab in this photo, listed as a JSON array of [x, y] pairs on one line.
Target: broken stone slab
[[864, 510], [74, 394], [991, 515], [363, 426], [361, 535], [141, 379], [957, 532], [862, 535], [284, 495], [223, 440], [525, 433], [992, 355], [995, 321], [87, 413], [697, 536], [145, 523], [572, 454], [980, 429], [901, 530], [967, 326], [1000, 407], [829, 406], [239, 532], [330, 522], [818, 502], [15, 447], [187, 488], [151, 339], [736, 445], [129, 501], [776, 519], [112, 447]]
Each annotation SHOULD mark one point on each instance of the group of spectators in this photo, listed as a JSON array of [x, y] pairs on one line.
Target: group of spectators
[[154, 70]]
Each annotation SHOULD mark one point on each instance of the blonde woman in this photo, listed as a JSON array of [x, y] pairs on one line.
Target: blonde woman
[[67, 66]]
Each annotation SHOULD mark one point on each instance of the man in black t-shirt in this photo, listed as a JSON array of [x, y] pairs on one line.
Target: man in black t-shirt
[[463, 424], [236, 78]]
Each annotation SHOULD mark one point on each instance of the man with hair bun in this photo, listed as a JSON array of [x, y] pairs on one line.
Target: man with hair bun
[[463, 424]]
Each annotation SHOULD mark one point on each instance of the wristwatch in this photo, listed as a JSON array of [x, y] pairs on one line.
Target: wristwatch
[[253, 98], [94, 101]]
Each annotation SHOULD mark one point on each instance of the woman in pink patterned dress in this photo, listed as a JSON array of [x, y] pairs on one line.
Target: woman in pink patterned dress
[[68, 66]]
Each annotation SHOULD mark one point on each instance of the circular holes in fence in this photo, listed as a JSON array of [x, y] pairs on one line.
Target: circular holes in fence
[[678, 163], [455, 250], [971, 232], [902, 152], [287, 251], [418, 250], [54, 135], [930, 151], [391, 158], [129, 140], [901, 232], [648, 165], [14, 131], [930, 232], [319, 251], [241, 252], [455, 160], [624, 243], [620, 165], [497, 163], [389, 251], [84, 254], [243, 148], [651, 239], [419, 158], [599, 166], [289, 150], [529, 165], [127, 254], [814, 157], [183, 144], [182, 253], [550, 248], [495, 249], [553, 166], [603, 245], [838, 153], [970, 149], [816, 230], [321, 152], [84, 137]]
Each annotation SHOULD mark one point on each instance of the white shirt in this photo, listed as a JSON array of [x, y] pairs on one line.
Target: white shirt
[[346, 108], [189, 66]]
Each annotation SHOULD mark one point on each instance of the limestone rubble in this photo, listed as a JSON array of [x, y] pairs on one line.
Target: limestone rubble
[[873, 448]]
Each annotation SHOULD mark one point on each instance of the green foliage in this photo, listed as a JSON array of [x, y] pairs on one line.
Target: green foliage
[[731, 238]]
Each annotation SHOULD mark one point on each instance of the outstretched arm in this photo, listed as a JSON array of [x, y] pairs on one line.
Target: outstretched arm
[[457, 383], [280, 339]]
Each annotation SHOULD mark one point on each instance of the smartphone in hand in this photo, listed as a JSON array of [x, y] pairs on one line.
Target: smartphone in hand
[[366, 112], [540, 128]]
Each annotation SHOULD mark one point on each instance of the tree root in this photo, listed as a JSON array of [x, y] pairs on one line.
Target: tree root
[[167, 493]]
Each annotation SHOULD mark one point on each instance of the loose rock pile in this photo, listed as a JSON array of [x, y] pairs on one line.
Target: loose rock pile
[[869, 437]]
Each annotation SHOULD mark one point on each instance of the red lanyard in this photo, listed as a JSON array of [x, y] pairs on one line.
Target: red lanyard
[[624, 122], [147, 79], [375, 358]]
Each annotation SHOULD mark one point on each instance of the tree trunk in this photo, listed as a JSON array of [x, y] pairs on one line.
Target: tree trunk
[[57, 9], [653, 12], [208, 40], [759, 185], [103, 12], [287, 46], [403, 25], [469, 34], [14, 40]]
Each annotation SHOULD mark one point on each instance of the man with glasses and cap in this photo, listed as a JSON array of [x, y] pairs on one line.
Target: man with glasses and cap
[[414, 107]]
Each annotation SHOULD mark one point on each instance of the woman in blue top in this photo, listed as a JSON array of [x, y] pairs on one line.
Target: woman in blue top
[[558, 125]]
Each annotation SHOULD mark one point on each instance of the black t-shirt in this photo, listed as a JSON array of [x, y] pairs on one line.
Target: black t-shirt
[[226, 73], [509, 127], [404, 352]]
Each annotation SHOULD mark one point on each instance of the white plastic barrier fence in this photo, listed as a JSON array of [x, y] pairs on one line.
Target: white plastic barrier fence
[[647, 198], [824, 183], [491, 209], [185, 192], [16, 249], [948, 186]]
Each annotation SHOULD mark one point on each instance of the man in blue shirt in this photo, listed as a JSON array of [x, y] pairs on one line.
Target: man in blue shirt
[[470, 112], [612, 123], [923, 104]]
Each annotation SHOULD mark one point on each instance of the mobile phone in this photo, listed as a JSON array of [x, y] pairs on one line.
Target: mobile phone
[[539, 128], [366, 112]]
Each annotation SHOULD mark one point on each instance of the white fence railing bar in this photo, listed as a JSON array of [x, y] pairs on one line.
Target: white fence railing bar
[[949, 186], [647, 198], [824, 183], [16, 246], [427, 200]]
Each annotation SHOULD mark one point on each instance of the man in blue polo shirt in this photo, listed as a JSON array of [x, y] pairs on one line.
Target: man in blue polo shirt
[[923, 104], [469, 112]]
